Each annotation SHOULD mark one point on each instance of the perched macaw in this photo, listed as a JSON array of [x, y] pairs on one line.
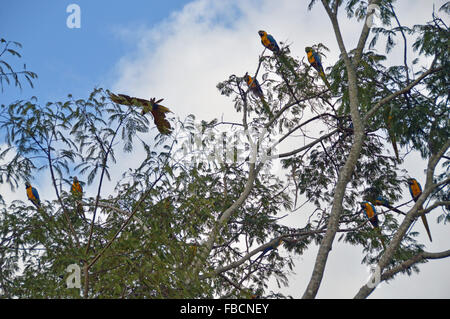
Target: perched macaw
[[388, 121], [415, 190], [33, 195], [381, 201], [268, 41], [267, 249], [77, 192], [255, 88], [371, 215], [158, 111], [76, 188], [316, 63]]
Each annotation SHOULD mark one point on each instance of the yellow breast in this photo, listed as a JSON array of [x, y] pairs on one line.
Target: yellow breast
[[30, 193], [369, 211], [310, 57]]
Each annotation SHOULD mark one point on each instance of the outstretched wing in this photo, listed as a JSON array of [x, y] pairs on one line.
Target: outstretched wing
[[128, 100], [158, 111]]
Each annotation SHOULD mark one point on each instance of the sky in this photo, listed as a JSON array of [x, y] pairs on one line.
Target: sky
[[179, 50]]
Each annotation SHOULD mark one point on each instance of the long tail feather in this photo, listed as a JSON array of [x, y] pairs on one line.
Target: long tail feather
[[381, 238], [394, 209], [266, 106], [36, 203], [394, 145], [322, 75], [388, 120], [425, 223]]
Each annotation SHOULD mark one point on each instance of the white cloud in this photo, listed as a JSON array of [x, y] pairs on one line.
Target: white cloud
[[183, 58]]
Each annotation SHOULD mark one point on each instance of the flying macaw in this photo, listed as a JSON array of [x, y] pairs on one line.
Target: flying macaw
[[158, 111], [381, 201], [267, 249], [269, 42], [388, 121], [316, 63], [33, 195], [415, 190], [77, 192], [255, 88], [372, 216]]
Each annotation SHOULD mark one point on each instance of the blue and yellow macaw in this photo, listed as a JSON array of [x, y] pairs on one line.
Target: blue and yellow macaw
[[381, 201], [269, 42], [372, 216], [33, 195], [77, 192], [388, 121], [267, 249], [76, 188], [316, 63], [416, 190], [157, 110], [255, 88]]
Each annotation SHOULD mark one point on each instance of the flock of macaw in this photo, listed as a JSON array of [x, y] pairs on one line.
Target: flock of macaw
[[33, 194], [159, 115], [369, 209]]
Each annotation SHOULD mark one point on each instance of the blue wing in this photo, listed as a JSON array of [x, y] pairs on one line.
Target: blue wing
[[35, 193], [272, 40], [258, 87], [382, 201], [317, 59]]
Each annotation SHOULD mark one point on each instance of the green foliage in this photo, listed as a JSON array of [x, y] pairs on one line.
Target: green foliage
[[7, 73], [142, 234]]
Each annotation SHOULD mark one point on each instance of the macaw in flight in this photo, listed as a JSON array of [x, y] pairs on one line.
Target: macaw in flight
[[33, 195], [372, 216], [158, 111], [416, 190], [267, 249], [316, 63], [269, 42], [381, 201], [255, 88]]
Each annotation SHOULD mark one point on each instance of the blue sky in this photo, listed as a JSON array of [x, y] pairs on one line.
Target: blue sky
[[74, 60], [179, 50]]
